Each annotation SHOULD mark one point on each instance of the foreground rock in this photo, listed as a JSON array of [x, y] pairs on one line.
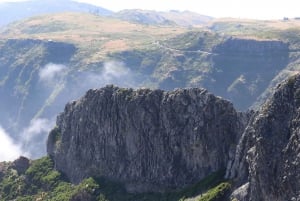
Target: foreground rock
[[267, 162], [149, 140]]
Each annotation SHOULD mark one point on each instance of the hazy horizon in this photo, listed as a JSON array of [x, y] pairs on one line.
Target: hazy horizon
[[254, 9]]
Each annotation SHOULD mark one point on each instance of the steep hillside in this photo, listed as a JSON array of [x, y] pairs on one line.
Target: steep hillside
[[235, 68], [28, 88], [286, 31], [243, 68]]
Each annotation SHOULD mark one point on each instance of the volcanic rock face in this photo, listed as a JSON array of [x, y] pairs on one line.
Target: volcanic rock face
[[268, 154], [149, 140]]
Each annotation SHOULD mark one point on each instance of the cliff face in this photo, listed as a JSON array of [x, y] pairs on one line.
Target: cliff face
[[268, 155], [157, 141], [237, 69], [244, 68], [149, 140]]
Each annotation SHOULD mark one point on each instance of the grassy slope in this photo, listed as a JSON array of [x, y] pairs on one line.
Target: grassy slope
[[96, 36], [285, 30]]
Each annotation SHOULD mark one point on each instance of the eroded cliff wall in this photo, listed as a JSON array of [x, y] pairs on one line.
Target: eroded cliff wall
[[152, 140], [267, 162], [149, 140]]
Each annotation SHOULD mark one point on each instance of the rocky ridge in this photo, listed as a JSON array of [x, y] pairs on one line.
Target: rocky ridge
[[267, 162], [150, 140]]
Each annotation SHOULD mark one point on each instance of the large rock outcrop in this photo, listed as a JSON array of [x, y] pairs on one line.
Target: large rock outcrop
[[150, 140], [267, 162]]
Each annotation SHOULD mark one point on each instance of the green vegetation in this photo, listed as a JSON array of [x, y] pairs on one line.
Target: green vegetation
[[217, 193], [42, 182], [194, 41]]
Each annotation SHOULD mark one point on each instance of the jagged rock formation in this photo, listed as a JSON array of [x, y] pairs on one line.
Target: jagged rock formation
[[149, 140], [156, 140], [267, 160]]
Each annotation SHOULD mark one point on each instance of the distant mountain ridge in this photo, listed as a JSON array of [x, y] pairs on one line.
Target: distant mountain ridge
[[173, 17], [13, 11]]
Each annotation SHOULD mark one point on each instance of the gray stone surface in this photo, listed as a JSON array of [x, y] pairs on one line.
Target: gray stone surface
[[268, 154], [149, 140], [21, 164], [157, 140]]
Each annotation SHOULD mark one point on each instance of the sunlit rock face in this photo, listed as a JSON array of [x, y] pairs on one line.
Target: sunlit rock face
[[150, 140]]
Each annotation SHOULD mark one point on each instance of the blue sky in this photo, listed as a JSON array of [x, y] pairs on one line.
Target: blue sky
[[258, 9]]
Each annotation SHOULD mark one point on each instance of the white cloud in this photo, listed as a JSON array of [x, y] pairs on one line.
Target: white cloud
[[33, 138], [36, 127], [114, 70], [52, 73], [8, 150]]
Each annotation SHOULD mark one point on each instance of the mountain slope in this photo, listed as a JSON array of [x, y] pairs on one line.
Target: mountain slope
[[185, 18], [143, 17], [14, 11]]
